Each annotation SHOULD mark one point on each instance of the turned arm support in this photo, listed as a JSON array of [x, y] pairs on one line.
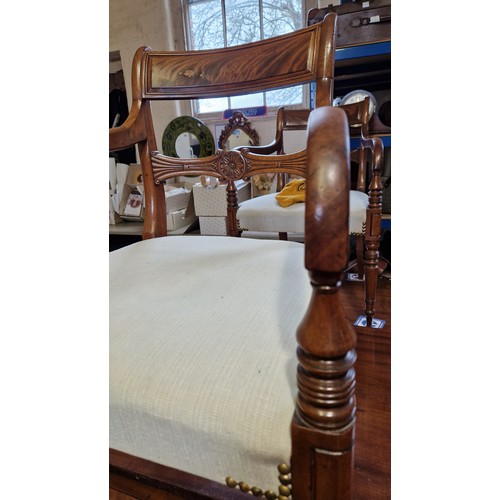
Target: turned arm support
[[323, 424], [138, 129], [376, 147]]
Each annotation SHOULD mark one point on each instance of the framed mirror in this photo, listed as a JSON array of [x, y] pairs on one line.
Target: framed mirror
[[238, 131], [187, 137]]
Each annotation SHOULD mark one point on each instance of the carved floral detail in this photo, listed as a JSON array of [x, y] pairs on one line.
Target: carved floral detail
[[231, 165]]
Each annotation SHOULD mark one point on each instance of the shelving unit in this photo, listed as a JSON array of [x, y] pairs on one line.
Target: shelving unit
[[363, 61]]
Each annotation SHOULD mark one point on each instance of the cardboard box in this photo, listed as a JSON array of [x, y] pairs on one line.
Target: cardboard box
[[127, 197], [134, 174], [184, 217], [213, 226], [212, 201], [127, 210], [177, 197], [179, 218], [134, 206], [188, 181]]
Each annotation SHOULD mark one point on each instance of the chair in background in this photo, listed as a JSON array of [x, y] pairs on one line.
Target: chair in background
[[265, 214], [203, 377]]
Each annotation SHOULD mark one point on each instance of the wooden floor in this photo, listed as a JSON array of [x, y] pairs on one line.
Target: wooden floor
[[372, 474], [373, 394]]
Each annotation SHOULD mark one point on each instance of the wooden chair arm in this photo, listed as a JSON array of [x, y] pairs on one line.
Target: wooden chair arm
[[276, 146], [326, 352], [327, 194], [131, 132], [266, 149], [375, 146]]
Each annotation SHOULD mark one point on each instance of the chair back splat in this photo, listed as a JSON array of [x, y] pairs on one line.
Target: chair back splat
[[323, 423]]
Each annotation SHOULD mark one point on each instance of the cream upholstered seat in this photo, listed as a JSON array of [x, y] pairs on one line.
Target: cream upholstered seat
[[235, 419], [265, 214]]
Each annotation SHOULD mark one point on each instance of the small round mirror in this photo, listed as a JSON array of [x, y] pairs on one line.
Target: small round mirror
[[187, 146]]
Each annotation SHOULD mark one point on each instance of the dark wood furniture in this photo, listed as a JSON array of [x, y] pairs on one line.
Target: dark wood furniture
[[363, 61], [322, 429], [359, 23]]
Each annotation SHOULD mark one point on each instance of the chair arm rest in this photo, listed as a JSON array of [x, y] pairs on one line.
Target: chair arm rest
[[132, 131], [376, 146], [266, 149], [327, 193], [376, 161]]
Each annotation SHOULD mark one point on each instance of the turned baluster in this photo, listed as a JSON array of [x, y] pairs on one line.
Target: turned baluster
[[323, 424], [372, 235]]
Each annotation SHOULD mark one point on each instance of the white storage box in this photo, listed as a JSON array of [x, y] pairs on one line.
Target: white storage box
[[212, 202], [127, 197], [180, 207], [180, 218], [213, 226], [177, 197], [188, 181]]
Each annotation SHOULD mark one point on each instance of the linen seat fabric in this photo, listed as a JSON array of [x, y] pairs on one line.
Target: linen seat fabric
[[208, 392], [265, 214]]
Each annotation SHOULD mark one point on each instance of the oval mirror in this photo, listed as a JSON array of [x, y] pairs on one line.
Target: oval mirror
[[237, 138], [187, 145], [238, 132]]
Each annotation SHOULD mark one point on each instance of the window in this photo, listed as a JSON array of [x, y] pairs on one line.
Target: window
[[225, 23]]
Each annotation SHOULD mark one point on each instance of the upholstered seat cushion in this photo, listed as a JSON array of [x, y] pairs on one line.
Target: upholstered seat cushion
[[202, 353], [265, 214]]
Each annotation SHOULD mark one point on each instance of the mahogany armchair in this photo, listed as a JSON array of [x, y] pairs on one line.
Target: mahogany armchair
[[264, 213], [204, 378]]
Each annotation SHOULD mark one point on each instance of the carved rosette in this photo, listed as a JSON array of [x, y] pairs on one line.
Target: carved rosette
[[231, 165]]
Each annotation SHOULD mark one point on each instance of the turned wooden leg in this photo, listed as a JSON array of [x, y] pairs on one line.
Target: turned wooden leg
[[371, 277], [232, 208], [372, 231], [323, 424], [360, 256]]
